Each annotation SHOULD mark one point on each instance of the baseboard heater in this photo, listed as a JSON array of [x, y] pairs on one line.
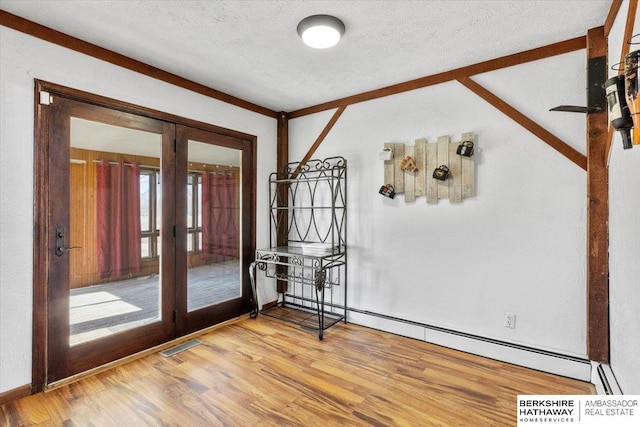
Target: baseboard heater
[[517, 354], [472, 336], [605, 380]]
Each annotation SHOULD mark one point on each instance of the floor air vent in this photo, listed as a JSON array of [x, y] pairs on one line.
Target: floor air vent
[[182, 347]]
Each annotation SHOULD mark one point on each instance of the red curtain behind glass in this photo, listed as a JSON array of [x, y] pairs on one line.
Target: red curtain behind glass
[[118, 219], [219, 211]]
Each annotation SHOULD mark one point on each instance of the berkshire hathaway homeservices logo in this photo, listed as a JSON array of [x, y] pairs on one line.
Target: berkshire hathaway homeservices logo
[[583, 411]]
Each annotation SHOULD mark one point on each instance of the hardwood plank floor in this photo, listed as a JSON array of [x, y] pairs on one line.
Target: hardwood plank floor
[[270, 373]]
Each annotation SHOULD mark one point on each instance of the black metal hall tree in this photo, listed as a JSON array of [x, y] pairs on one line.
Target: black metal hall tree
[[312, 264]]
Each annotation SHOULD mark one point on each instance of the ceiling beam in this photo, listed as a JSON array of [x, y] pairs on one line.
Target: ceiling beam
[[611, 16], [455, 74], [318, 141], [524, 121], [34, 29], [628, 27]]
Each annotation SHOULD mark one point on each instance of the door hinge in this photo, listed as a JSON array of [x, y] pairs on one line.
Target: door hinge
[[45, 98], [175, 145], [175, 316], [174, 231]]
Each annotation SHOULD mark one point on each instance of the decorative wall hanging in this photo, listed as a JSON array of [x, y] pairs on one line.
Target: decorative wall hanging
[[457, 157], [408, 164], [387, 191], [441, 173], [465, 149], [386, 154]]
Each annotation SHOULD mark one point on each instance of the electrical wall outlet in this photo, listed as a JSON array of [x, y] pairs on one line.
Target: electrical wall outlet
[[510, 320]]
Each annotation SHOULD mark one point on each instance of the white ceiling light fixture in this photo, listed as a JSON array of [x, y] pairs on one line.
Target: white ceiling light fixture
[[321, 31]]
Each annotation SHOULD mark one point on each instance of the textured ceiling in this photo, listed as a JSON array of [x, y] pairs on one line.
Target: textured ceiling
[[250, 49]]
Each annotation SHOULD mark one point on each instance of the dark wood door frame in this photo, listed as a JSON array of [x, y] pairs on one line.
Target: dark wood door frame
[[42, 232]]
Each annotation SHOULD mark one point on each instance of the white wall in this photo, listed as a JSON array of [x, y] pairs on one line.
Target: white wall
[[624, 242], [519, 246], [24, 59]]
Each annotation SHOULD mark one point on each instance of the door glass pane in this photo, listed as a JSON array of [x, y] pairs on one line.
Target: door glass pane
[[145, 248], [114, 225], [145, 200], [213, 216]]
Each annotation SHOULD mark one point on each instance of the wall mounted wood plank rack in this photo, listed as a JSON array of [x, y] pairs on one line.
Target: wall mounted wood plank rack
[[461, 183], [308, 206]]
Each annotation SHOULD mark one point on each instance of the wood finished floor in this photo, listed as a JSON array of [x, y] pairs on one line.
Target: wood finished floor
[[266, 372]]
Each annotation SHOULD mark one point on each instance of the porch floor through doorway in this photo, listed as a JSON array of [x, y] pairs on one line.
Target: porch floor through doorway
[[101, 310]]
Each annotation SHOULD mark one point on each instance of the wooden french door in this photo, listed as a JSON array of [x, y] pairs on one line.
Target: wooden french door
[[214, 238], [148, 230]]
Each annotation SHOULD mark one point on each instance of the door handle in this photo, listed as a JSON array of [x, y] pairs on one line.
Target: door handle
[[60, 248]]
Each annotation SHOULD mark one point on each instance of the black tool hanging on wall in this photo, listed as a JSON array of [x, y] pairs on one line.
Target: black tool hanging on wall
[[619, 115], [632, 89]]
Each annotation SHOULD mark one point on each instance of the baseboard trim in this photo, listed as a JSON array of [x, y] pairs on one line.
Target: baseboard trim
[[542, 360], [15, 394]]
